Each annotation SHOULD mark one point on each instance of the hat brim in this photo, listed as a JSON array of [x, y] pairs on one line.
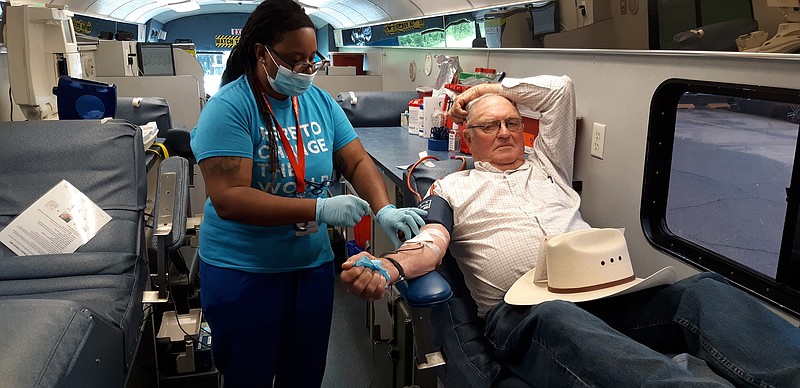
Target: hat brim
[[525, 292]]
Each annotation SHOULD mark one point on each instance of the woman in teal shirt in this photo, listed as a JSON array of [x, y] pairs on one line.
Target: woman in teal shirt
[[268, 143]]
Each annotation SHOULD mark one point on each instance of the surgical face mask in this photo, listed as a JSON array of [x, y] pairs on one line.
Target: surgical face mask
[[287, 82]]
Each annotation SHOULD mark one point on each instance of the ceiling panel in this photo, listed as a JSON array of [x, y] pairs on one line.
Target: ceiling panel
[[126, 8], [335, 18], [205, 8], [441, 6], [105, 7], [338, 13], [403, 9], [144, 13]]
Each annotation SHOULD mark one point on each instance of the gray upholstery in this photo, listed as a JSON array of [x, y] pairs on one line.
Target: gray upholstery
[[719, 36], [457, 329], [375, 109], [148, 109], [71, 345], [156, 109], [180, 167], [104, 279]]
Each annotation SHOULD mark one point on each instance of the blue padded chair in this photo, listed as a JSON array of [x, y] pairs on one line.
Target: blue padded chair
[[457, 330], [444, 316], [375, 109], [142, 110], [73, 319]]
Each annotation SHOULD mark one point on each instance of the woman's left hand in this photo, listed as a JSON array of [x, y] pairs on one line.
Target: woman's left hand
[[406, 220]]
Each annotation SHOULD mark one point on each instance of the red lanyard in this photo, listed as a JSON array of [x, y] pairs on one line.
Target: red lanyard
[[298, 163]]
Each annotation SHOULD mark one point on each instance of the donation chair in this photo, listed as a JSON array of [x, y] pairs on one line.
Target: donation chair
[[73, 319], [457, 330], [375, 109], [412, 356], [142, 110]]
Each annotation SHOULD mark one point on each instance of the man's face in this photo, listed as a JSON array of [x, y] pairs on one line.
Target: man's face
[[504, 149]]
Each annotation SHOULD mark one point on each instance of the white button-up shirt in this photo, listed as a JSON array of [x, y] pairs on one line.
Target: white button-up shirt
[[500, 217]]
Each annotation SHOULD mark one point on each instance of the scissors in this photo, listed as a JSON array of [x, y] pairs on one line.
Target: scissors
[[318, 188]]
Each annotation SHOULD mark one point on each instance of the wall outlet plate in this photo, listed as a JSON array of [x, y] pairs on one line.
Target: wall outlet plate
[[598, 140]]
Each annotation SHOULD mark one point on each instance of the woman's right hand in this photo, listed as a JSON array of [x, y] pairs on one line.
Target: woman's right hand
[[341, 210]]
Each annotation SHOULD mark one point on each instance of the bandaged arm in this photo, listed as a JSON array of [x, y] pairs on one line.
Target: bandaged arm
[[421, 254]]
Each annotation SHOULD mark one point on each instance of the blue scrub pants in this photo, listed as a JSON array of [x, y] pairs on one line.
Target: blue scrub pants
[[268, 326]]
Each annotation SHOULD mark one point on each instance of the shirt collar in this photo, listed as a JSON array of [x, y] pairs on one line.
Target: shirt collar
[[486, 166]]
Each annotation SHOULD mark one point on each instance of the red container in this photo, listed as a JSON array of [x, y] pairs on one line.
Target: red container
[[350, 59]]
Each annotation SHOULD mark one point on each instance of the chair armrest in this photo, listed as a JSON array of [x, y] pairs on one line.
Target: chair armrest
[[426, 290]]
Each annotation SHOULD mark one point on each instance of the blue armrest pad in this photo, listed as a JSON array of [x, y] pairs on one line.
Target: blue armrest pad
[[426, 290]]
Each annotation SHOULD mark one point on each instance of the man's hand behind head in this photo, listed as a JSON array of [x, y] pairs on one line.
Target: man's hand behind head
[[458, 111]]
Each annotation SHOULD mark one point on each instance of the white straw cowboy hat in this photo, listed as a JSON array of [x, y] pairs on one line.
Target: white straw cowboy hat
[[580, 266]]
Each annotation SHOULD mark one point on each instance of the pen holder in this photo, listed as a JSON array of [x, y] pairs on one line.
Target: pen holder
[[437, 145]]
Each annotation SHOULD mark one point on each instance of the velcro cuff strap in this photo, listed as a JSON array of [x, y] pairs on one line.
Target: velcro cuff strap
[[439, 212]]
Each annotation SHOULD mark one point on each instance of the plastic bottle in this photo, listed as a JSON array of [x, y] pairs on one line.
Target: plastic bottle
[[421, 120], [454, 140], [414, 116]]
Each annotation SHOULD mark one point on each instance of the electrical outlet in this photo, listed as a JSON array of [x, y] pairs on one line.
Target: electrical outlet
[[586, 12], [598, 140], [633, 6]]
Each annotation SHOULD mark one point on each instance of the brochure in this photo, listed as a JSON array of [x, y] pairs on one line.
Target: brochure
[[60, 221]]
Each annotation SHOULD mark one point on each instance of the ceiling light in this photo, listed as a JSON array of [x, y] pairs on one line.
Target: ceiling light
[[184, 6]]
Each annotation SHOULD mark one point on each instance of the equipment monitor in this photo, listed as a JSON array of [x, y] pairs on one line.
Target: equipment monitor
[[155, 58]]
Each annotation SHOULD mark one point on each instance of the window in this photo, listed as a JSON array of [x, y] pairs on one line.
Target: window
[[722, 190], [213, 64]]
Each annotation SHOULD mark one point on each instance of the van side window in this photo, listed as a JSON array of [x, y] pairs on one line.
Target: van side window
[[721, 188]]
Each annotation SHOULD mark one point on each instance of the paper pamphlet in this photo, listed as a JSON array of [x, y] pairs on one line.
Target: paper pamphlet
[[60, 221]]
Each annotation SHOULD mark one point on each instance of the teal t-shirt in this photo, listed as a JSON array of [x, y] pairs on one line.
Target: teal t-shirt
[[230, 125]]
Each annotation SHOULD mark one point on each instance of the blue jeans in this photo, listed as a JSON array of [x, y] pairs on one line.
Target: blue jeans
[[267, 326], [621, 341]]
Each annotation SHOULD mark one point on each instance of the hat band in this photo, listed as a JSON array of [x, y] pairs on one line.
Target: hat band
[[591, 288]]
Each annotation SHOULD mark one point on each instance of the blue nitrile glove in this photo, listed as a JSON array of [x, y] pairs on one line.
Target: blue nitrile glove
[[393, 220], [341, 210]]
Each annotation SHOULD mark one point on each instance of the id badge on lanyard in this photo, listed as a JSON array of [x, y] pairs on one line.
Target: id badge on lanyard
[[298, 163]]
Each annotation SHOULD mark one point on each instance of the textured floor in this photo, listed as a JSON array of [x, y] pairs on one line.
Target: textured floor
[[353, 360]]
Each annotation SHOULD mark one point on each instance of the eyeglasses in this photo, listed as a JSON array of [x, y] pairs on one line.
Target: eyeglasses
[[303, 67], [318, 188], [513, 124]]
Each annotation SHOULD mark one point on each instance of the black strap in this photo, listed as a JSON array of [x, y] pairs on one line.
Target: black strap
[[401, 273]]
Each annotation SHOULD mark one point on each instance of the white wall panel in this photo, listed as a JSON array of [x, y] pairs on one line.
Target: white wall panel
[[613, 88]]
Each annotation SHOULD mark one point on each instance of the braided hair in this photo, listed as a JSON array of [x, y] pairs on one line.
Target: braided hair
[[266, 25]]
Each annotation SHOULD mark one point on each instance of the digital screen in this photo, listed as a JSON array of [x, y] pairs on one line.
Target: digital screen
[[156, 59], [545, 19]]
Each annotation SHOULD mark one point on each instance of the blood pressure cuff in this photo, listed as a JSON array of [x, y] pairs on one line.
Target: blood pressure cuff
[[439, 212]]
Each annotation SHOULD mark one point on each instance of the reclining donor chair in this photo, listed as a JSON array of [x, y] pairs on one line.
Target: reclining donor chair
[[436, 328], [74, 320], [442, 298]]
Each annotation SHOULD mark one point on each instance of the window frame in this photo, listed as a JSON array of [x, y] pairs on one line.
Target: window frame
[[784, 290]]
